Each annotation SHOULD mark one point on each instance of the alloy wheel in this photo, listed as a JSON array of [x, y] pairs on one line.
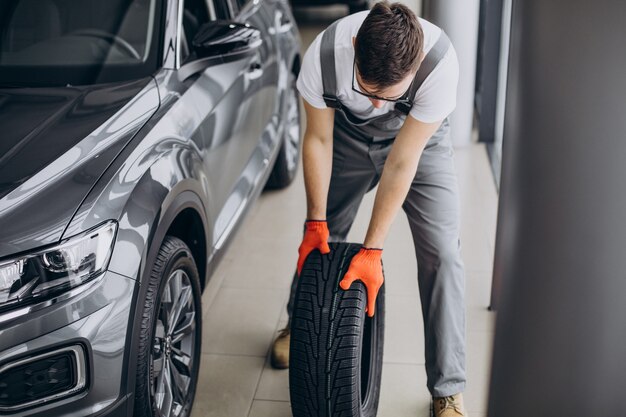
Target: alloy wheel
[[173, 352], [292, 130]]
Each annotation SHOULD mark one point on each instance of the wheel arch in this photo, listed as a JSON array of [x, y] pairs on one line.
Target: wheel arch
[[189, 226]]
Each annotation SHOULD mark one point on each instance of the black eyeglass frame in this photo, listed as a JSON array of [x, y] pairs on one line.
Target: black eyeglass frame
[[403, 99]]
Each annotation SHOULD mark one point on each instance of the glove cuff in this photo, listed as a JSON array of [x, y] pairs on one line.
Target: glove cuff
[[371, 254], [316, 225]]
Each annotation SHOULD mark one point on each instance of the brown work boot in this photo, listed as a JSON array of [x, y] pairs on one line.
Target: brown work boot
[[280, 350], [450, 406]]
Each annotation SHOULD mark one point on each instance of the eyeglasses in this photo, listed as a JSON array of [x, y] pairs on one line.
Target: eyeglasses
[[401, 99]]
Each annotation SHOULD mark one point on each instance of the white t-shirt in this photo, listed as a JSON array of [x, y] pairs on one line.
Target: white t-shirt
[[434, 100]]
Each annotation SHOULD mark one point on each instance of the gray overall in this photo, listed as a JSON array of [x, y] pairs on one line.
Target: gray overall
[[360, 148]]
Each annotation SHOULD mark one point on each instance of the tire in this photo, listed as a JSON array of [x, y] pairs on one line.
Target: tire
[[286, 165], [336, 352], [174, 276]]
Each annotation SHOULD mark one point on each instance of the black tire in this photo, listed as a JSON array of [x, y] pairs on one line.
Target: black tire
[[286, 165], [336, 352], [174, 264]]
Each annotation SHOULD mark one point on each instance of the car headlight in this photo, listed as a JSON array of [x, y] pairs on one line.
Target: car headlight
[[45, 273]]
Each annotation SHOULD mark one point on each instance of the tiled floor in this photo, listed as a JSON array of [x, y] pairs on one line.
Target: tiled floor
[[244, 303]]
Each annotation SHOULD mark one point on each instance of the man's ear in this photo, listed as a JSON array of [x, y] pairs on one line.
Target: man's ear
[[353, 41]]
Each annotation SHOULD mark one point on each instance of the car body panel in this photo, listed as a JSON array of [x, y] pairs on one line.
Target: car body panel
[[61, 185], [171, 34]]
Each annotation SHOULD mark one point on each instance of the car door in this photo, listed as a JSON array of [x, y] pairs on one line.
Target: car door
[[224, 98], [261, 15]]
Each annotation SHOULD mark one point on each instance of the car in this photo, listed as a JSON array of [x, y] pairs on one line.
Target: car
[[353, 5], [136, 135]]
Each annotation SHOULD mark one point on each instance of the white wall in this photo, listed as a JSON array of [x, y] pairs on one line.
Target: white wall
[[459, 18]]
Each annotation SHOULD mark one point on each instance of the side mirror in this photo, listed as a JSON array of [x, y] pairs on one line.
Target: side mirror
[[225, 37]]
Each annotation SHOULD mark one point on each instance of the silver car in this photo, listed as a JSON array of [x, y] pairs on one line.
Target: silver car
[[134, 137]]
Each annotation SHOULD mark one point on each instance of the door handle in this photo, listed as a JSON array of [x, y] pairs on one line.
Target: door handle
[[255, 70], [285, 26]]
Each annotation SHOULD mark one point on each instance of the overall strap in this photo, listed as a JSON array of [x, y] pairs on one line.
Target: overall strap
[[327, 58], [427, 66]]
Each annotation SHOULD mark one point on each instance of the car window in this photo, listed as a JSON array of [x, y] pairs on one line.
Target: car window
[[234, 7], [224, 9], [195, 14], [242, 3], [211, 5], [60, 42]]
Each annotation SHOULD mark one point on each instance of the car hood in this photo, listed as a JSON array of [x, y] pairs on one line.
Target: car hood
[[55, 143]]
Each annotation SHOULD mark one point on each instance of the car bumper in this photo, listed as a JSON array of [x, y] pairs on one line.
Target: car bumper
[[95, 319]]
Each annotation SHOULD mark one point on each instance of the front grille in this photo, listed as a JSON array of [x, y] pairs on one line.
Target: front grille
[[43, 378]]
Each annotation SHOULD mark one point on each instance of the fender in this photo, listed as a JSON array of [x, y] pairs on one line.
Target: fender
[[155, 200]]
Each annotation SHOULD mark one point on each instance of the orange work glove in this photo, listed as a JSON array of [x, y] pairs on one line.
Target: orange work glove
[[315, 237], [366, 266]]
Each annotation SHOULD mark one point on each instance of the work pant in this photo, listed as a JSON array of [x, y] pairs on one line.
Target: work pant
[[432, 208]]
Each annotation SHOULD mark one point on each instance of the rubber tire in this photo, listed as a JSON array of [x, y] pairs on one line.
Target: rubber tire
[[281, 176], [173, 254], [331, 338]]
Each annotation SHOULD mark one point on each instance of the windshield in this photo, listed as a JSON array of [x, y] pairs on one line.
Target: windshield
[[77, 42]]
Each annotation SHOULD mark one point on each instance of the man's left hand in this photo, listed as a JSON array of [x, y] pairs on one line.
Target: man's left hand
[[366, 266]]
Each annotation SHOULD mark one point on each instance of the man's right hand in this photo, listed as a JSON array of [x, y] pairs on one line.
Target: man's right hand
[[315, 237]]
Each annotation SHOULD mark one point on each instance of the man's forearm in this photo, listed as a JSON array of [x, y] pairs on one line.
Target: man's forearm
[[398, 173], [317, 157], [392, 191]]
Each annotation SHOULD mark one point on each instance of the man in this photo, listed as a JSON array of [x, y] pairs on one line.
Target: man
[[378, 87]]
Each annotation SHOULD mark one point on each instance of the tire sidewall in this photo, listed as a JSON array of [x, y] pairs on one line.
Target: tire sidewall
[[370, 406]]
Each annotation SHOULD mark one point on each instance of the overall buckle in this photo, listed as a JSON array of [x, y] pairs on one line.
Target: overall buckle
[[403, 107], [331, 101]]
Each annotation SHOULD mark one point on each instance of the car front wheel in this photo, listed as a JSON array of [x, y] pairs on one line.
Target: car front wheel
[[170, 336]]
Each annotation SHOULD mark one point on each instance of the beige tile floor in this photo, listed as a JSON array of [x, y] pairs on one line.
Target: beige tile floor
[[244, 302]]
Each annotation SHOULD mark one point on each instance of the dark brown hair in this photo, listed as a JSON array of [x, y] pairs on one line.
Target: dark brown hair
[[388, 44]]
